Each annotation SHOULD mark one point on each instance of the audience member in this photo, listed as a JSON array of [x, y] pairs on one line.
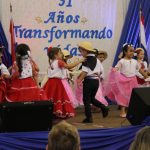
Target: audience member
[[142, 140], [63, 136]]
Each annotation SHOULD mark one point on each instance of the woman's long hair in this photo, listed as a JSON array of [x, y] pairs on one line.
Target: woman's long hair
[[142, 140]]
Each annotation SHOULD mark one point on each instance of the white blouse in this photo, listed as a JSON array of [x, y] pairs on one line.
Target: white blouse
[[26, 69], [129, 68], [97, 70], [145, 68], [4, 69], [54, 71]]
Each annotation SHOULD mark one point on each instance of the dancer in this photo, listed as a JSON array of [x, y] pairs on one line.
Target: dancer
[[122, 79], [90, 78], [23, 87], [4, 74], [143, 66], [54, 87]]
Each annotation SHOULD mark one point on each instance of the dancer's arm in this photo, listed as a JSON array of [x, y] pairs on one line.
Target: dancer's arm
[[81, 77]]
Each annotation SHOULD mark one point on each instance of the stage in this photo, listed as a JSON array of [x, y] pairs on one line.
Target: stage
[[108, 133], [112, 121]]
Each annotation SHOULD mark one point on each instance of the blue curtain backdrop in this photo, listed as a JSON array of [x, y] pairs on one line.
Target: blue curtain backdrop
[[94, 139], [131, 28], [3, 41]]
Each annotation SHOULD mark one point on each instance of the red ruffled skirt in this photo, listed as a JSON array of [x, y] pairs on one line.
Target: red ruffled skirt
[[2, 90], [57, 94], [25, 90], [140, 81]]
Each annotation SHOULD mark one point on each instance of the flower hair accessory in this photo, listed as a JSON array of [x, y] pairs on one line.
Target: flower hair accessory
[[125, 44], [49, 49]]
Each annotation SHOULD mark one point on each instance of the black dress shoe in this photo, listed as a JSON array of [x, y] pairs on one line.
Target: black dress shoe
[[105, 112], [86, 120]]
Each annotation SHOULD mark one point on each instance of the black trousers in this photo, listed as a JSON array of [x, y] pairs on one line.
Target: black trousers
[[90, 87]]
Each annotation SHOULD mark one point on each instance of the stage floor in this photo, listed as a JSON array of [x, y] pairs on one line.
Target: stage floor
[[112, 121]]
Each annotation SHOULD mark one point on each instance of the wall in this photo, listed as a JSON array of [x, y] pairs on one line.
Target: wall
[[0, 9], [101, 15]]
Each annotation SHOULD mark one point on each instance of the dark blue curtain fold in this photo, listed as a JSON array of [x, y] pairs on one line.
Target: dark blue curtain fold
[[3, 41], [131, 28], [94, 139]]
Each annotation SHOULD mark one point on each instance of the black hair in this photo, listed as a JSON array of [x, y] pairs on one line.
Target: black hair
[[51, 54], [96, 52], [125, 48], [21, 50]]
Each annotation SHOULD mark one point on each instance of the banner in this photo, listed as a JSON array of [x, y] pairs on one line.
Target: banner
[[65, 23]]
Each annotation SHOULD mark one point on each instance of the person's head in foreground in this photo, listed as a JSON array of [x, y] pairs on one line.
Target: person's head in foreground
[[142, 140], [63, 136]]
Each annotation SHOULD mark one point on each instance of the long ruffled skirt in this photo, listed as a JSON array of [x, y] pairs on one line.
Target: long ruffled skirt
[[2, 90], [24, 90], [70, 93], [119, 87], [56, 92]]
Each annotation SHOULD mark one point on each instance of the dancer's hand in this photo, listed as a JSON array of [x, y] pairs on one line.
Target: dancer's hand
[[79, 83], [114, 69], [82, 60]]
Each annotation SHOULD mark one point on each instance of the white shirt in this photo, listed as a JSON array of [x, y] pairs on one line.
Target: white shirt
[[4, 69], [145, 68], [26, 68], [54, 71], [97, 70], [145, 65], [65, 73], [129, 68], [102, 75]]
